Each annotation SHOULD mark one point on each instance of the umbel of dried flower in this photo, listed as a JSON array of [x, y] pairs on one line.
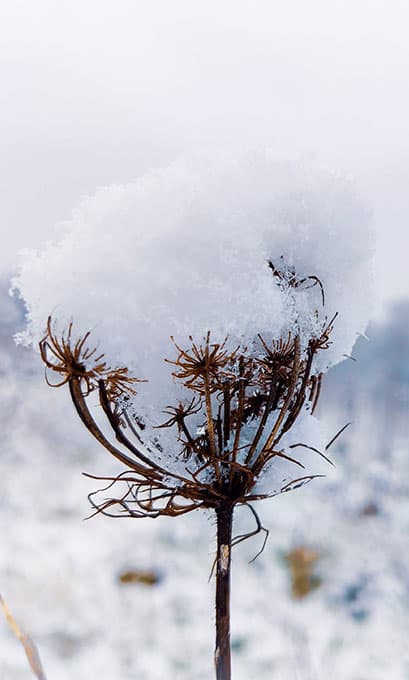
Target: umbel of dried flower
[[245, 399]]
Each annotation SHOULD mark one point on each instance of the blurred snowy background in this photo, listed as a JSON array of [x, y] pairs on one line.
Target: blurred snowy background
[[97, 93]]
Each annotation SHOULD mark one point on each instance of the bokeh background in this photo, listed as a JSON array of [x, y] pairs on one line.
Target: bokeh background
[[96, 93]]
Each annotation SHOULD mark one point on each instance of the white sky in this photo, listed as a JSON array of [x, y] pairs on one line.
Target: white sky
[[94, 92]]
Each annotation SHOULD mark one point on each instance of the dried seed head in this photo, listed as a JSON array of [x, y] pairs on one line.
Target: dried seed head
[[277, 360], [203, 366], [241, 403], [75, 359]]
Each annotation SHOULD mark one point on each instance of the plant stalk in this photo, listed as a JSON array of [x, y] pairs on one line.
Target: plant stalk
[[222, 655]]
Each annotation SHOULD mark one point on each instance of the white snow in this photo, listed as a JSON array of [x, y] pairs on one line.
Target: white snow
[[185, 249]]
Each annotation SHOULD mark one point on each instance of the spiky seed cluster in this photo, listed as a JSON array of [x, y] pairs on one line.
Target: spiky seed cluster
[[203, 367], [243, 403], [277, 359], [76, 360]]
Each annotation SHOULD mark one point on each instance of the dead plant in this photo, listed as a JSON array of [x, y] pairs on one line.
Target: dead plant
[[244, 399]]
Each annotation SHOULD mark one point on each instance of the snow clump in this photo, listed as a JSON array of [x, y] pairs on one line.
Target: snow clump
[[186, 249]]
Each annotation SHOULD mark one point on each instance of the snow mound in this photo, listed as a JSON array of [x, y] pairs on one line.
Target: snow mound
[[186, 249]]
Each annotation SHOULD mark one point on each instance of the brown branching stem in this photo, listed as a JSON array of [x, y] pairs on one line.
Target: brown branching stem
[[227, 433]]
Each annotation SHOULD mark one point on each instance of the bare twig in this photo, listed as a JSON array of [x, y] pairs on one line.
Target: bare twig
[[30, 649]]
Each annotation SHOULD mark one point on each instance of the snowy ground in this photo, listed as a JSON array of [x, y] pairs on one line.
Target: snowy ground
[[59, 574]]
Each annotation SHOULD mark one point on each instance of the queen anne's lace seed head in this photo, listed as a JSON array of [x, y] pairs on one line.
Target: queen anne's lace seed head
[[245, 263], [224, 392]]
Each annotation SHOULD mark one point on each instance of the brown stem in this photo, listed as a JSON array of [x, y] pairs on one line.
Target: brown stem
[[222, 656], [273, 438], [290, 391], [261, 425], [239, 416], [296, 409], [226, 416], [210, 429], [209, 414], [81, 407]]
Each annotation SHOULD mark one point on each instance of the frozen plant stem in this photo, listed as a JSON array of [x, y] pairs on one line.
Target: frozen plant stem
[[236, 406], [222, 656]]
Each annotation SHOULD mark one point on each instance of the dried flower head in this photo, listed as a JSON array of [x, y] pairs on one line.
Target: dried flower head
[[228, 430], [243, 402], [203, 367], [76, 360]]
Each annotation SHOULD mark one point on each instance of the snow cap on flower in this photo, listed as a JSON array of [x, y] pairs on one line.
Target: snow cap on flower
[[235, 245]]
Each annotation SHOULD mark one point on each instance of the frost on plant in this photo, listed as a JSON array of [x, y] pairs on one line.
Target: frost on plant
[[185, 249], [193, 314]]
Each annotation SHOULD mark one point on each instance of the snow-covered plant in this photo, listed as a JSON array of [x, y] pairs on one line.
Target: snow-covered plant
[[209, 283]]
